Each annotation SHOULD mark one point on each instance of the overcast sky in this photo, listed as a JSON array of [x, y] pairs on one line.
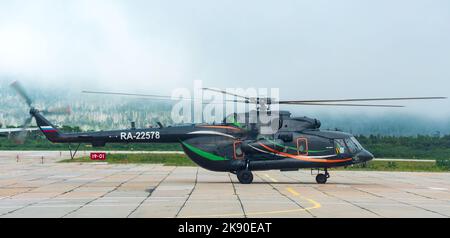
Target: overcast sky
[[309, 49]]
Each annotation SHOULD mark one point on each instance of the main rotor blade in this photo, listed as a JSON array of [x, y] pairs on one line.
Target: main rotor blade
[[225, 92], [21, 91], [151, 96], [322, 104], [58, 111], [326, 102], [362, 100], [339, 104], [127, 94]]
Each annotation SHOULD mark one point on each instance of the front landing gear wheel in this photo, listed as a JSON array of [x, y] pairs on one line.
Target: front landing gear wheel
[[245, 176], [321, 178]]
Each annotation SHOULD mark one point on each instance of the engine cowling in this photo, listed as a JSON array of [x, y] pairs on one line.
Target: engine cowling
[[301, 123]]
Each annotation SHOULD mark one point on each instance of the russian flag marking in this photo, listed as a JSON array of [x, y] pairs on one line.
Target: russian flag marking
[[48, 129]]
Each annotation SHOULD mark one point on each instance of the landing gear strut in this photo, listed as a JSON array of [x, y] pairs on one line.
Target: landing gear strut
[[73, 153], [322, 178]]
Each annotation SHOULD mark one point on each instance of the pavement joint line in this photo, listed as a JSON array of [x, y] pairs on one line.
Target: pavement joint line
[[150, 193], [108, 192], [30, 184], [30, 188], [401, 202], [189, 195], [404, 203], [289, 198], [237, 195], [419, 195], [276, 212], [349, 202], [339, 198], [295, 193], [396, 177], [44, 169], [301, 209], [53, 197]]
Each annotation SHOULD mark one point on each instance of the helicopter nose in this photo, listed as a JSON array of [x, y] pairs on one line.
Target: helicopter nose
[[364, 156]]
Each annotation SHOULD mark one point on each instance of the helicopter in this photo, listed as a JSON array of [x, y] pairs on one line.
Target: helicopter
[[238, 146]]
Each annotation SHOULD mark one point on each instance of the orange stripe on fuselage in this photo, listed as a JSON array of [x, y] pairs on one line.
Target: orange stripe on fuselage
[[304, 158], [222, 127]]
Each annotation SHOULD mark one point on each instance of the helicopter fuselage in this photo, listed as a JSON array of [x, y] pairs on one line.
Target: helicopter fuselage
[[230, 148]]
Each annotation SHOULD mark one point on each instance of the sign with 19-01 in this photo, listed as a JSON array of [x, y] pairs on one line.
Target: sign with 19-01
[[98, 156]]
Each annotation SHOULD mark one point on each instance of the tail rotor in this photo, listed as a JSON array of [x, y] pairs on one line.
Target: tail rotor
[[20, 90]]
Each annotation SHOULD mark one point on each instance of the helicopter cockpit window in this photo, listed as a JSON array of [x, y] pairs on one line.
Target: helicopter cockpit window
[[357, 143], [340, 146], [352, 146]]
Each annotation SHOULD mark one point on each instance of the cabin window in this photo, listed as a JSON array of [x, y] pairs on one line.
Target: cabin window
[[320, 146], [238, 153], [302, 146], [340, 146]]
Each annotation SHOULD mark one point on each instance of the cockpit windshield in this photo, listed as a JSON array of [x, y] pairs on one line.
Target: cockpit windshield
[[357, 143], [348, 145], [353, 145]]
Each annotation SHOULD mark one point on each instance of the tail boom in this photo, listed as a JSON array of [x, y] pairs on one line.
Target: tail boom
[[49, 130]]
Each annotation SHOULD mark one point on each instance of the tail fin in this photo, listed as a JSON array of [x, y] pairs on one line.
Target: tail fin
[[50, 131]]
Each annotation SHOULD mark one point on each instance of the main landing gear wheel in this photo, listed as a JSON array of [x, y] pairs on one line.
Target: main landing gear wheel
[[322, 178], [245, 176]]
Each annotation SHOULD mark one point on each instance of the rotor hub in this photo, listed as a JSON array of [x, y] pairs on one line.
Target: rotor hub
[[33, 111]]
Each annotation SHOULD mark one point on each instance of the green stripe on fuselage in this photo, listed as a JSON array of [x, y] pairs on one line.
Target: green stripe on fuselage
[[203, 153]]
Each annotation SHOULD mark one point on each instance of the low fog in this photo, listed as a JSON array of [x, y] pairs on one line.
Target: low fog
[[313, 49]]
